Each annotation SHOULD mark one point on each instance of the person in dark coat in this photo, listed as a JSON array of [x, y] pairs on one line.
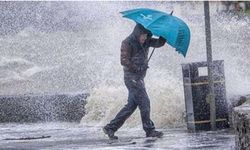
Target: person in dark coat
[[134, 59]]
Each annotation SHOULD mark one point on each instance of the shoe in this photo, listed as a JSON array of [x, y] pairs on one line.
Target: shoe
[[110, 133], [154, 133]]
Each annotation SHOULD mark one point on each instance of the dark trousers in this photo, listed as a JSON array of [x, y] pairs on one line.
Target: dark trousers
[[137, 96]]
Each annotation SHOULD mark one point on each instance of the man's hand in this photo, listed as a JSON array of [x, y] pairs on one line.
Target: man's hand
[[162, 38]]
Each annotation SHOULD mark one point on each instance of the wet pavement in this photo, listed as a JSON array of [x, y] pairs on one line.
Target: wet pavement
[[53, 136]]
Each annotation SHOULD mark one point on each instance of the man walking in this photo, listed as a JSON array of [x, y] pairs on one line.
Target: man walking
[[134, 59]]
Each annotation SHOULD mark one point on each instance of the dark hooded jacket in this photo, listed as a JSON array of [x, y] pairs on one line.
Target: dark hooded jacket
[[133, 54]]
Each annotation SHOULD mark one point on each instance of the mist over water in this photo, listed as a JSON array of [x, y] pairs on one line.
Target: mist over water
[[80, 52]]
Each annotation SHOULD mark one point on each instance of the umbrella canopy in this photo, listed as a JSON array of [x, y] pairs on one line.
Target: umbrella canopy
[[173, 29]]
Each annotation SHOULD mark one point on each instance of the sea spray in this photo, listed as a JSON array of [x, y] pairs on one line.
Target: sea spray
[[167, 105]]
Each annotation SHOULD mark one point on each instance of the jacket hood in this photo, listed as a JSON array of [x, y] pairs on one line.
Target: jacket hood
[[139, 30]]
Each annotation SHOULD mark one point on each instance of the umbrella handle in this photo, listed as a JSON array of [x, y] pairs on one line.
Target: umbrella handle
[[151, 55]]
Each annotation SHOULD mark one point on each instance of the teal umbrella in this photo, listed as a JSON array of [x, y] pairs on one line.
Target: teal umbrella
[[173, 29]]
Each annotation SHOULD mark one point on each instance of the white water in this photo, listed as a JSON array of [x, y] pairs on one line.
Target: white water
[[33, 61]]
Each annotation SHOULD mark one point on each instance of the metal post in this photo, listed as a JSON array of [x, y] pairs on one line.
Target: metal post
[[210, 67]]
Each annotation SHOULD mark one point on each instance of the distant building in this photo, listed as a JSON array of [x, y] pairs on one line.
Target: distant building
[[233, 6]]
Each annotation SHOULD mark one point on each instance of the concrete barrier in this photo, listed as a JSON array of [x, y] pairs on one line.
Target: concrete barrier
[[241, 124], [42, 107]]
